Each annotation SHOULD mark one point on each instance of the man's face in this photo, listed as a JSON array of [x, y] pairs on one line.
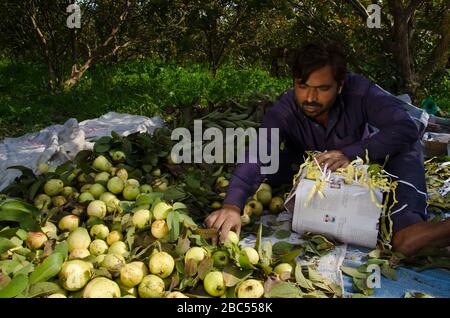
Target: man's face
[[316, 96]]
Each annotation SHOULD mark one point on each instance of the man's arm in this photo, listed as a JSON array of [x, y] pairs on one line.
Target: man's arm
[[397, 130], [246, 178], [414, 238]]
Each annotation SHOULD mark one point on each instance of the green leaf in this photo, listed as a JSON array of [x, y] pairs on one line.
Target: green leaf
[[5, 245], [205, 266], [16, 286], [130, 237], [267, 253], [377, 261], [44, 289], [302, 281], [284, 290], [174, 194], [289, 257], [179, 206], [8, 266], [62, 248], [8, 232], [314, 276], [35, 188], [244, 262], [4, 279], [282, 234], [183, 245], [25, 268], [47, 269], [360, 285], [18, 211], [388, 272], [187, 221], [233, 275], [173, 222], [353, 272], [375, 253], [23, 235], [282, 247], [102, 144]]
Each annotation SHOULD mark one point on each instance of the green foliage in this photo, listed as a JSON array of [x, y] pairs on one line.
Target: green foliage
[[142, 87]]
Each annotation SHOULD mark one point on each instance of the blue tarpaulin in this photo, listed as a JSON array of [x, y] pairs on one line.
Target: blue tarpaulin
[[433, 282]]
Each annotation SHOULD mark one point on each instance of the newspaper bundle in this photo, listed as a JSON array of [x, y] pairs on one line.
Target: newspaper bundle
[[346, 213]]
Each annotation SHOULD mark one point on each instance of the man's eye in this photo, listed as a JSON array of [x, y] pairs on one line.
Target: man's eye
[[302, 86], [324, 89]]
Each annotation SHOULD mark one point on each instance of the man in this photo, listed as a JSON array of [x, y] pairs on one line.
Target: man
[[330, 110]]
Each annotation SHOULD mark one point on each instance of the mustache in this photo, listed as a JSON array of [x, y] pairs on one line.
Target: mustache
[[314, 104]]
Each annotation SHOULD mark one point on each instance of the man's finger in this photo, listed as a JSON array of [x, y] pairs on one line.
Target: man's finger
[[328, 163], [322, 157], [209, 221], [226, 227], [344, 164], [219, 222], [237, 229], [335, 166]]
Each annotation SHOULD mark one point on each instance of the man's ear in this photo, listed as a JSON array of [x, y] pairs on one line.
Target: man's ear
[[340, 88]]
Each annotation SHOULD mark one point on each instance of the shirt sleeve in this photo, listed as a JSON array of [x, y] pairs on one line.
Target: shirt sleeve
[[247, 177], [397, 131]]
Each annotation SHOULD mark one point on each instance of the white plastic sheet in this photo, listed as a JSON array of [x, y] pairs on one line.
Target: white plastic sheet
[[57, 144]]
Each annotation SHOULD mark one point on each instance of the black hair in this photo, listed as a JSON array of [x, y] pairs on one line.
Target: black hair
[[315, 56]]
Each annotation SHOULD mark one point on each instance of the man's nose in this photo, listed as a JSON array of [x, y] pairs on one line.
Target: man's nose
[[311, 95]]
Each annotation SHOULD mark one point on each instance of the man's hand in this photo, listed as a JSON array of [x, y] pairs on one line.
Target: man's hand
[[225, 219], [415, 237], [333, 159]]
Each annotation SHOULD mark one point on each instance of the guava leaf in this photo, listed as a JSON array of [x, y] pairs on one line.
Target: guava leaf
[[174, 194], [16, 286], [22, 234], [282, 247], [5, 245], [47, 269], [244, 262], [187, 221], [282, 234], [25, 268], [8, 266], [258, 243], [130, 237], [4, 280], [8, 232], [290, 256], [388, 272], [35, 188], [267, 253], [284, 290], [205, 266], [233, 275], [302, 281], [173, 222], [102, 144], [43, 288], [62, 248], [183, 245], [190, 267], [353, 272]]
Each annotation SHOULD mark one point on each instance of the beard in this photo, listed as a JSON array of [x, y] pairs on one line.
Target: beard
[[313, 109]]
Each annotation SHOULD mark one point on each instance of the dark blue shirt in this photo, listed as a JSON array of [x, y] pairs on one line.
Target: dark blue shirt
[[360, 103]]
